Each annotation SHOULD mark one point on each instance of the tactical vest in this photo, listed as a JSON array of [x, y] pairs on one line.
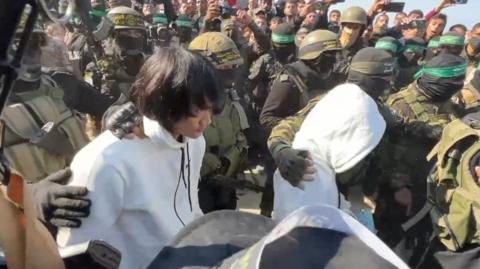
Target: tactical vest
[[453, 190], [470, 97], [423, 109], [42, 134], [306, 81], [226, 144]]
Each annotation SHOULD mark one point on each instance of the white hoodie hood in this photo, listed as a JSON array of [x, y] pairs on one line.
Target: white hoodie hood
[[341, 130]]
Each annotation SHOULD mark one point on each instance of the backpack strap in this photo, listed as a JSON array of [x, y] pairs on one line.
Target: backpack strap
[[299, 83]]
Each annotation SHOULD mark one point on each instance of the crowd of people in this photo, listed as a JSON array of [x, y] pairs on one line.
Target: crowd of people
[[134, 121]]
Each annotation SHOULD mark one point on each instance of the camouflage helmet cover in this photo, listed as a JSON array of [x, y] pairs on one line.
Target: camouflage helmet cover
[[316, 42], [126, 18], [218, 48]]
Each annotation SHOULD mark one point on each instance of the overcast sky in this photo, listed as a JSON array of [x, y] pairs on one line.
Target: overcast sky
[[467, 14]]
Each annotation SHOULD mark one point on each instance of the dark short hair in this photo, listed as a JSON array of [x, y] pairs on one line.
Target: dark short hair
[[416, 11], [439, 16], [335, 11], [291, 2], [464, 28], [174, 82], [476, 26]]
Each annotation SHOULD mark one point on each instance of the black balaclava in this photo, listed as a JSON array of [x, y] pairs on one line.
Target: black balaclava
[[285, 53], [130, 43], [440, 85], [413, 51], [370, 69], [373, 86], [324, 63]]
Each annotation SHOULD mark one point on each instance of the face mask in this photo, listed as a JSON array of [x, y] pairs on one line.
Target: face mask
[[324, 64], [129, 44], [132, 63], [184, 34], [373, 86], [228, 77], [284, 53], [349, 36], [31, 67]]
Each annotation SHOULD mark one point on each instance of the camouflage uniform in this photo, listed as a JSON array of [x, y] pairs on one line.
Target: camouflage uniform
[[453, 188], [407, 165], [297, 83], [226, 145], [111, 74], [41, 133], [469, 96]]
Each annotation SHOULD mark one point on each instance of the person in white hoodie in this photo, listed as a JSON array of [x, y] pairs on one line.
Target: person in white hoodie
[[144, 190], [339, 132]]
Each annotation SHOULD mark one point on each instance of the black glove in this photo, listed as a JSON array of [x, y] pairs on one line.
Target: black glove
[[60, 205], [292, 164], [124, 119], [472, 120]]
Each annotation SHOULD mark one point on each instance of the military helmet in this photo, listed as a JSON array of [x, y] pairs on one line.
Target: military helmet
[[126, 18], [218, 48], [316, 42], [354, 14], [373, 62]]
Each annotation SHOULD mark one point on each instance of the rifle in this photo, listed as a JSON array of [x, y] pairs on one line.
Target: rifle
[[236, 183], [94, 35]]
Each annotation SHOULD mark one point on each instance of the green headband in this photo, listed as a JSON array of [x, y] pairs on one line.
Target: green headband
[[414, 48], [184, 23], [452, 40], [98, 12], [160, 19], [283, 39], [443, 72], [433, 43], [386, 45], [373, 68]]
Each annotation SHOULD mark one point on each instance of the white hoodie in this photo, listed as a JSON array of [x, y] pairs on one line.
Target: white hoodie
[[132, 185], [341, 130]]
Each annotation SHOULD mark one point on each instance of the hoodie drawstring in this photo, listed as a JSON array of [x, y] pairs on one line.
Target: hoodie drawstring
[[182, 177]]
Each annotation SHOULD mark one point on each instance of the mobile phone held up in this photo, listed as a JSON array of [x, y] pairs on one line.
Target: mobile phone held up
[[395, 7]]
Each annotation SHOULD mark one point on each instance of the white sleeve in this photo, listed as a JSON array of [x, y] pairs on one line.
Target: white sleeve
[[106, 191]]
